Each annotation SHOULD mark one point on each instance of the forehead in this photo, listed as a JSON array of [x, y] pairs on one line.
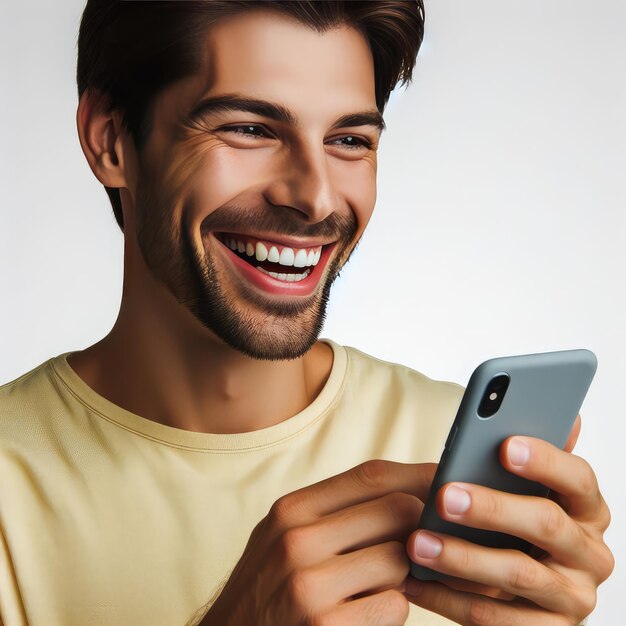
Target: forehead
[[271, 56]]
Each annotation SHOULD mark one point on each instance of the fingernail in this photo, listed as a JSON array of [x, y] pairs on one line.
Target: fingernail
[[519, 452], [413, 587], [427, 546], [456, 500]]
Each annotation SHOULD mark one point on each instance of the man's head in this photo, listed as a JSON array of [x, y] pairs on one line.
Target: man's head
[[243, 124]]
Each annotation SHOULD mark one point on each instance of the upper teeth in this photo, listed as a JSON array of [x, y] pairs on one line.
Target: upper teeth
[[289, 257]]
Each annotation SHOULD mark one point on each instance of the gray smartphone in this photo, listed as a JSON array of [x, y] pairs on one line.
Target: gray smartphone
[[537, 395]]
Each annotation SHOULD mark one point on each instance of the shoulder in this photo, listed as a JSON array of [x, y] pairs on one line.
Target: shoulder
[[395, 378], [23, 401], [407, 413]]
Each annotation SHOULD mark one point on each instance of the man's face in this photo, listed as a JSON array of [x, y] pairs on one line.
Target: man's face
[[290, 185]]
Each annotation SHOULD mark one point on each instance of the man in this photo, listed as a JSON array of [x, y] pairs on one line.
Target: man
[[210, 460]]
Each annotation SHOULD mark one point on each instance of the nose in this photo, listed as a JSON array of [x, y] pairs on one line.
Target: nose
[[303, 182]]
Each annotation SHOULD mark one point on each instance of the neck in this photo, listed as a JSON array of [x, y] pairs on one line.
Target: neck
[[160, 363]]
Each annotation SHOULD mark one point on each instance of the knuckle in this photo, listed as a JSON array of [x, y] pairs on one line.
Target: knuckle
[[552, 520], [392, 556], [481, 612], [585, 601], [372, 473], [392, 550], [523, 577], [581, 599], [587, 481], [398, 549], [301, 590], [285, 509], [293, 544], [389, 606], [606, 563], [392, 605], [491, 506], [401, 505], [462, 559]]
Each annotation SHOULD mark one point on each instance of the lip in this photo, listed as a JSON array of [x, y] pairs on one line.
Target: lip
[[267, 284], [280, 240]]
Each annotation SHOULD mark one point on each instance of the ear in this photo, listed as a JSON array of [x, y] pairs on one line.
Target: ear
[[107, 147]]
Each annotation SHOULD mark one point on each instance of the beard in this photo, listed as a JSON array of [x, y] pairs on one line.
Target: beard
[[258, 326]]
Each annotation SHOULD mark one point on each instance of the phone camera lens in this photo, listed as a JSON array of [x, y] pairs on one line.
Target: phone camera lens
[[494, 395]]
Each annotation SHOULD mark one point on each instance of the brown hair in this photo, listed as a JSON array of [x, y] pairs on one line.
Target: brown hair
[[128, 51]]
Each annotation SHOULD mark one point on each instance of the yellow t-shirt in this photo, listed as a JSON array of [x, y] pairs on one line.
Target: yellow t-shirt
[[108, 518]]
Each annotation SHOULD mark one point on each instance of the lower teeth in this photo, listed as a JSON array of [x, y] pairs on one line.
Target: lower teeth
[[288, 278]]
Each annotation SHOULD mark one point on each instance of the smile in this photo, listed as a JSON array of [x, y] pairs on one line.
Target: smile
[[274, 267], [276, 260]]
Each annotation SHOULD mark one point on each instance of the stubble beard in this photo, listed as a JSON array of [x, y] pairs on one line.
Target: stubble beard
[[278, 330], [262, 328]]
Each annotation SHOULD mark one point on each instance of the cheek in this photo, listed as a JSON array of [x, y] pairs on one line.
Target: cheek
[[209, 175], [224, 175], [355, 183]]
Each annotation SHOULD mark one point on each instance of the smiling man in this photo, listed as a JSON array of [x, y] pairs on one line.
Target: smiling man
[[211, 460]]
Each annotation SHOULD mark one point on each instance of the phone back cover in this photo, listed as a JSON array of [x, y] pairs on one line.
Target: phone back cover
[[544, 396]]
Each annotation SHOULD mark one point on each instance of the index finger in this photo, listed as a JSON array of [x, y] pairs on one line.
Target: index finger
[[364, 482]]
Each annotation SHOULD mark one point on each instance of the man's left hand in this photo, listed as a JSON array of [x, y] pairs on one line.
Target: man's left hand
[[508, 587]]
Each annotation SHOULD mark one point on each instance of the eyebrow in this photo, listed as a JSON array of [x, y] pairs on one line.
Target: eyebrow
[[277, 112]]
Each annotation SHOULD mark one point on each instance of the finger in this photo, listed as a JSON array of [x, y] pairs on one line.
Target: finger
[[387, 608], [468, 608], [390, 518], [370, 570], [538, 520], [466, 585], [511, 570], [573, 435], [565, 473], [364, 482], [473, 587]]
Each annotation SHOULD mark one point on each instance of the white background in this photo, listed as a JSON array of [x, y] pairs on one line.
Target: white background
[[499, 226]]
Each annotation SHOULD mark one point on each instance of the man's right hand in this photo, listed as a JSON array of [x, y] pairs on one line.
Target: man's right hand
[[331, 553]]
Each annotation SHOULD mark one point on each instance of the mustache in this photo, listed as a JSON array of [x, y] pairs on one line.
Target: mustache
[[278, 220]]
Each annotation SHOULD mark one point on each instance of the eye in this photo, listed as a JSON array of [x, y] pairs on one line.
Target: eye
[[247, 130], [355, 143]]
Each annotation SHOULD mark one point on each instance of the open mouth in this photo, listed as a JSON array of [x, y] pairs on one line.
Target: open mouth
[[280, 262]]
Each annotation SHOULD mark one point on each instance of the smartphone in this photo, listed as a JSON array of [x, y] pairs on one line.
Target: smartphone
[[537, 395]]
